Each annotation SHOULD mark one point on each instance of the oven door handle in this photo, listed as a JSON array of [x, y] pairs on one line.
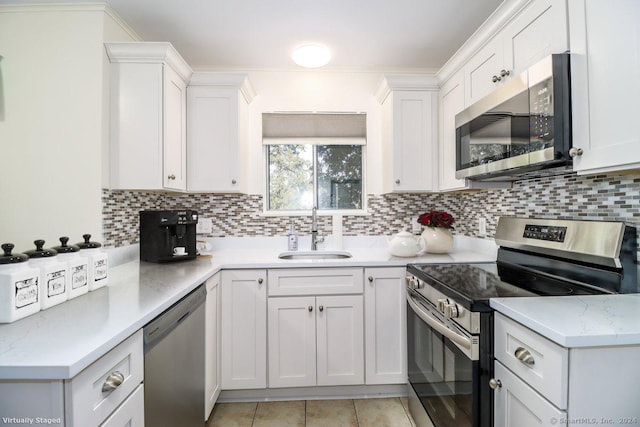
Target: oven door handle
[[439, 327]]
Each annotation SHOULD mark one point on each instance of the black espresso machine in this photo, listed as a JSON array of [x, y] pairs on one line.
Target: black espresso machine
[[167, 236]]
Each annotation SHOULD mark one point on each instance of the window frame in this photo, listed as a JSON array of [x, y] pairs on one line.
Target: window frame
[[322, 212]]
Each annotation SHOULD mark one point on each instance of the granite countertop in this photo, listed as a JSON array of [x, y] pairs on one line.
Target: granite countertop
[[578, 321], [59, 342]]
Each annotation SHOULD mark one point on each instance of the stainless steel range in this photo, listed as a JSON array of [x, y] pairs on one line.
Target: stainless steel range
[[450, 323]]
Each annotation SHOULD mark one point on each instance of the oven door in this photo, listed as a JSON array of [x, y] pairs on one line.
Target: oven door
[[443, 368]]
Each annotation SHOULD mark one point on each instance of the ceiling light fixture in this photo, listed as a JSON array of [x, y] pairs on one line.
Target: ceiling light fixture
[[311, 55]]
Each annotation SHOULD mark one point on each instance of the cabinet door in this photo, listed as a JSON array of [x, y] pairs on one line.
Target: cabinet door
[[482, 69], [340, 335], [212, 344], [292, 342], [386, 326], [541, 29], [130, 413], [175, 130], [605, 85], [136, 126], [244, 331], [451, 103], [414, 136], [517, 404], [213, 147]]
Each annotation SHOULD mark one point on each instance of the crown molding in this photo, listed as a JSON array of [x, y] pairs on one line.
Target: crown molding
[[391, 82], [238, 81], [148, 53]]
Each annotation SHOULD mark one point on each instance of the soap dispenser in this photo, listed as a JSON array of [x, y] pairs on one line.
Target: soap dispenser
[[292, 237]]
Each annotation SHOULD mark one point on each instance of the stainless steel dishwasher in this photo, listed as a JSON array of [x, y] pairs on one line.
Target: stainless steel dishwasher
[[174, 364]]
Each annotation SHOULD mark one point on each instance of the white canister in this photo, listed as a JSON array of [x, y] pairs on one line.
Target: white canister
[[78, 268], [98, 262], [53, 275], [19, 296]]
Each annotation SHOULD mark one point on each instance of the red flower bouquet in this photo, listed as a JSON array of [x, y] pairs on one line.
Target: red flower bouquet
[[436, 219]]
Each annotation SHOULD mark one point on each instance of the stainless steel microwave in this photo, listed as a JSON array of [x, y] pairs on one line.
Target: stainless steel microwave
[[523, 126]]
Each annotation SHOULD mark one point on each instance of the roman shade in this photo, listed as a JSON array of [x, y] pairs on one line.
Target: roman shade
[[314, 128]]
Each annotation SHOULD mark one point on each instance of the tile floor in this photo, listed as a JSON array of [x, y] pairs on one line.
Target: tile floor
[[384, 412]]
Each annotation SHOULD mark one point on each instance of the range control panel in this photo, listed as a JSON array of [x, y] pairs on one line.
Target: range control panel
[[545, 232]]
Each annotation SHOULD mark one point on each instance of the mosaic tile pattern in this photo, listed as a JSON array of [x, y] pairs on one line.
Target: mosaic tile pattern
[[599, 197]]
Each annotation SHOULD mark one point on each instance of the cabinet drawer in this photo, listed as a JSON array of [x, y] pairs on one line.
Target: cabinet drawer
[[85, 402], [547, 371], [315, 281], [130, 413]]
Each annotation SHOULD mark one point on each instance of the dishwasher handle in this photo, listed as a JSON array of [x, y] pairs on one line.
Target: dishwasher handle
[[161, 326]]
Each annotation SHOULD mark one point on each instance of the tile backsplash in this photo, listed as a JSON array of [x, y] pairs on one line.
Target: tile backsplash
[[599, 197]]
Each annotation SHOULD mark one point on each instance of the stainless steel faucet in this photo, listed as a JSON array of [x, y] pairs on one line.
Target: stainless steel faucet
[[315, 239]]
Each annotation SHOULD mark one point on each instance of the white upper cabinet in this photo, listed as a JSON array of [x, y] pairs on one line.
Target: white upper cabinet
[[451, 103], [409, 133], [538, 30], [148, 116], [217, 105], [605, 72]]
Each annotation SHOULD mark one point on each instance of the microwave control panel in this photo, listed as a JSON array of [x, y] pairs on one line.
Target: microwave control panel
[[541, 110]]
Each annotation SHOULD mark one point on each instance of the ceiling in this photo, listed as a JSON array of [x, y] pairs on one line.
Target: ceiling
[[364, 35]]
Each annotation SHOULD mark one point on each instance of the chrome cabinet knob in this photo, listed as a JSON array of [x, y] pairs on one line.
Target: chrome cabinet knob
[[370, 278], [260, 281], [233, 181], [321, 308], [171, 177], [310, 308], [397, 181], [504, 73], [523, 355], [113, 381], [494, 383], [496, 79], [575, 152]]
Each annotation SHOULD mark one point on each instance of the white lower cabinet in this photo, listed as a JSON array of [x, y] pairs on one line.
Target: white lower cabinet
[[386, 326], [540, 383], [244, 329], [315, 341], [130, 413], [108, 392], [213, 363], [517, 404]]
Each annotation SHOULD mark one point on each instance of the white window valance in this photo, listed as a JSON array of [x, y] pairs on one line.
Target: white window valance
[[314, 128]]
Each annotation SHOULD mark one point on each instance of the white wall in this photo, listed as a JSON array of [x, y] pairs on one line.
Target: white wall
[[51, 123], [320, 92]]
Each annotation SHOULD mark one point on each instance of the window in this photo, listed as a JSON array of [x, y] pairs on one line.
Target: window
[[314, 160]]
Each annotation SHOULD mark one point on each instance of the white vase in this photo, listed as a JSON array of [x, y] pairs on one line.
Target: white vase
[[439, 240]]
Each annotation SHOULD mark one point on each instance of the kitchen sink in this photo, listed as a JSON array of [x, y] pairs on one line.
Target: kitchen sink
[[315, 255]]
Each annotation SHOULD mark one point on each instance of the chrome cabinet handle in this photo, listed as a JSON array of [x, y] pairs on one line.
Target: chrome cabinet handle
[[370, 278], [112, 382], [494, 383], [321, 308], [505, 73], [310, 308], [523, 355], [575, 152], [233, 181], [260, 281], [172, 176], [496, 79]]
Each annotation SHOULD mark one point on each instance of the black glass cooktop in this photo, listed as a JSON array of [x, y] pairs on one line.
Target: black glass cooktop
[[472, 285]]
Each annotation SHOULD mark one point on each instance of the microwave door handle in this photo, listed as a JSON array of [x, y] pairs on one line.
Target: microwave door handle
[[439, 327]]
